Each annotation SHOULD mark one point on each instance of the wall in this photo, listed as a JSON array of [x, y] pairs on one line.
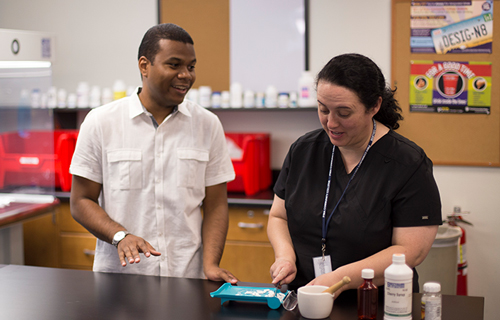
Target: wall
[[99, 48], [96, 41]]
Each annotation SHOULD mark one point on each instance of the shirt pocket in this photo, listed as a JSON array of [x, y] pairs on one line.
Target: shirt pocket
[[125, 169], [191, 167]]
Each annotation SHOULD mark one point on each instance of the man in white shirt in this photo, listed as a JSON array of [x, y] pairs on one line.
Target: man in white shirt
[[145, 165]]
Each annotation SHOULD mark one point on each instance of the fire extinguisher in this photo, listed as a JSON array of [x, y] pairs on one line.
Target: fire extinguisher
[[453, 220]]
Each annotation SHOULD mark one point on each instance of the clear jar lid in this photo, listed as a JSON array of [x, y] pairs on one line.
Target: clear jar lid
[[432, 287]]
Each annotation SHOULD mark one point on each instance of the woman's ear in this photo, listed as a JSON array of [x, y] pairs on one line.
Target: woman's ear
[[377, 106]]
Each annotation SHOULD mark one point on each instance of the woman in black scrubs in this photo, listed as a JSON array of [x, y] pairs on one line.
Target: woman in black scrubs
[[355, 192]]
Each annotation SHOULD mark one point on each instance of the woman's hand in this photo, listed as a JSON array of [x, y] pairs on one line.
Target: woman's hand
[[283, 272]]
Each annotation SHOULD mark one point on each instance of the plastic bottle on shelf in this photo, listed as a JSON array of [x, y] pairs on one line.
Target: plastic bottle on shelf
[[107, 95], [307, 92], [225, 97], [398, 289], [52, 98], [431, 301], [72, 100], [292, 103], [61, 98], [236, 95], [95, 97], [216, 99], [367, 296], [248, 99], [82, 95], [35, 98], [271, 100], [260, 99], [283, 100], [205, 95], [193, 95], [119, 90]]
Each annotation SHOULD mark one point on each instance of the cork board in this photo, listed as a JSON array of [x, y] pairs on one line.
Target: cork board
[[208, 24], [448, 139]]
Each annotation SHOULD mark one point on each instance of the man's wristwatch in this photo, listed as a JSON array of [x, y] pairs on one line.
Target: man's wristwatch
[[119, 236]]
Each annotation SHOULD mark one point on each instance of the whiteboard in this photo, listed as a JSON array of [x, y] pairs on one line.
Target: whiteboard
[[267, 43]]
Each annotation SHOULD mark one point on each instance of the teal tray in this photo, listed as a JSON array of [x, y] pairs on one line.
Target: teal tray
[[272, 296]]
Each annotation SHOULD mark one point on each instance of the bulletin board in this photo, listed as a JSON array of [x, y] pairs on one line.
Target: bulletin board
[[447, 138], [208, 24]]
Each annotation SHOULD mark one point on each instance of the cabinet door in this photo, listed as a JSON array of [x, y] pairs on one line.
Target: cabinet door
[[248, 224], [248, 261], [77, 251], [248, 253], [41, 241]]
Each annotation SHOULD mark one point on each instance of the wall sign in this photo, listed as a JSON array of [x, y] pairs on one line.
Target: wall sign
[[450, 87], [451, 26]]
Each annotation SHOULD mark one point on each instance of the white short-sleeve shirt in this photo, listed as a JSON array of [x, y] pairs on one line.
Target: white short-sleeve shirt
[[153, 180]]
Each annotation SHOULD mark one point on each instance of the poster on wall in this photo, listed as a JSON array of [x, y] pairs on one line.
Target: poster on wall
[[450, 87], [445, 27]]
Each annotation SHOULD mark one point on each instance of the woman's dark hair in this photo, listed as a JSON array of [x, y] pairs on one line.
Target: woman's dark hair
[[150, 42], [362, 76]]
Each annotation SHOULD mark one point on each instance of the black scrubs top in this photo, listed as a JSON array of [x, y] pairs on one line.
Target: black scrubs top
[[394, 187]]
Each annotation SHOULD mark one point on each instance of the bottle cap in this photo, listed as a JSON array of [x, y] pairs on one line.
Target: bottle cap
[[432, 287], [398, 257], [367, 274]]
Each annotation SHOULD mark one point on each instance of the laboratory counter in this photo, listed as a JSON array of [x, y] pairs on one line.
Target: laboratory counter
[[51, 293]]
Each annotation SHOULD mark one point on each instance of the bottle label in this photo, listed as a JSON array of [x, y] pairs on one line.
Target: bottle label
[[398, 298], [304, 92], [431, 309]]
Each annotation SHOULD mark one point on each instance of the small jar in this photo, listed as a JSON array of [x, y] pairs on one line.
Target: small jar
[[431, 301], [216, 99], [283, 100]]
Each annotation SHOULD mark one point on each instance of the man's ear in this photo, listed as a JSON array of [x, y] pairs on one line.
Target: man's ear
[[144, 66]]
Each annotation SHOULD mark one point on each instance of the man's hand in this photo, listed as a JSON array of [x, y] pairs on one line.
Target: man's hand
[[216, 273], [130, 247]]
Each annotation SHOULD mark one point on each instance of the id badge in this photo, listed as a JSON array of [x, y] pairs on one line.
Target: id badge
[[322, 266]]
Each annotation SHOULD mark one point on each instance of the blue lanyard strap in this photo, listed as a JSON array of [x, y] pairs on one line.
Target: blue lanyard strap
[[325, 223]]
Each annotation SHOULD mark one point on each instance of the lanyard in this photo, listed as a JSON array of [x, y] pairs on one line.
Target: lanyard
[[324, 221]]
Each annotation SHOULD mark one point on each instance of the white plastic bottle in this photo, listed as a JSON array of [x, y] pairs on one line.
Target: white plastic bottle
[[271, 100], [205, 96], [236, 100], [398, 288], [307, 92], [225, 98], [82, 95], [431, 301], [119, 89]]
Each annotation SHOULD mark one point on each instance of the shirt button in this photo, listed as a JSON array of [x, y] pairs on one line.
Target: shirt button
[[162, 258]]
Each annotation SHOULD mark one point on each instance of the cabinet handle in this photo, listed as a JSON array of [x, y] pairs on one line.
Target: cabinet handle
[[245, 225], [88, 252]]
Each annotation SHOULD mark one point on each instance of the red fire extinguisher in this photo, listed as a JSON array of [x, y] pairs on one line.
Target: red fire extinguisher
[[462, 252]]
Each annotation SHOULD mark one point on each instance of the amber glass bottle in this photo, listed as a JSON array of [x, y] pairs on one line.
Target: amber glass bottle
[[367, 296]]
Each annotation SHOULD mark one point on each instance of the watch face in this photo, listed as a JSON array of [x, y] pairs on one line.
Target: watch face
[[119, 235]]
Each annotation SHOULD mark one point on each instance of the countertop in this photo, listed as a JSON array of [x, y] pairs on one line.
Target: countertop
[[15, 208], [49, 293]]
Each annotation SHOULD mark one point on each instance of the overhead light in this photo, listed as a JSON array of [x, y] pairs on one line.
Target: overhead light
[[24, 64]]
